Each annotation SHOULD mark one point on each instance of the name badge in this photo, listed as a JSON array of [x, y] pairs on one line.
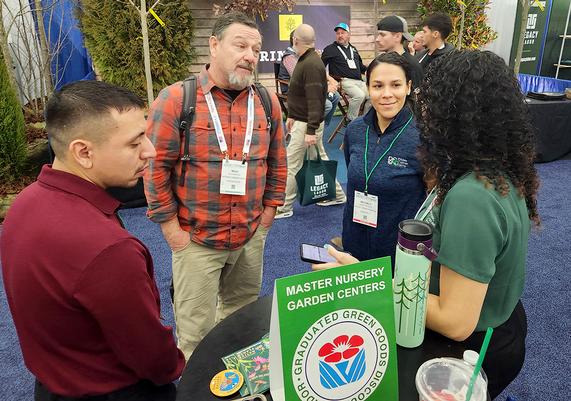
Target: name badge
[[233, 177], [365, 209], [352, 65]]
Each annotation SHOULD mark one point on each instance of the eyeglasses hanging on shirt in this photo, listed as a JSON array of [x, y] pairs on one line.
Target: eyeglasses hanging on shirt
[[233, 174]]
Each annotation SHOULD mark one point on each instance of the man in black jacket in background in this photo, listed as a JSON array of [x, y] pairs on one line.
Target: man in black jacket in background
[[343, 61], [436, 28], [306, 101]]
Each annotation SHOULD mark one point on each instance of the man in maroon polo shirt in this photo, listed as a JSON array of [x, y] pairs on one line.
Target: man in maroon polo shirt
[[80, 288]]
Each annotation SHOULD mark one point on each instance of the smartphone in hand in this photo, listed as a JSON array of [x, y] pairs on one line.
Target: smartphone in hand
[[315, 254]]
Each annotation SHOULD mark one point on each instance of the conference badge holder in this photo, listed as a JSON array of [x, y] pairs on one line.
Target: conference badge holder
[[234, 172], [365, 209], [233, 177], [350, 61]]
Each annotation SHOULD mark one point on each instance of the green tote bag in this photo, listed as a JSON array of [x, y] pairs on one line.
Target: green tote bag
[[316, 180]]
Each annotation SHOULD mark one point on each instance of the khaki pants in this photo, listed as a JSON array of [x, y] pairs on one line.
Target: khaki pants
[[295, 155], [358, 93], [210, 284]]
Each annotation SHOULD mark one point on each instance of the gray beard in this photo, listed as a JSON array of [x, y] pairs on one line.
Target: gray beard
[[238, 82]]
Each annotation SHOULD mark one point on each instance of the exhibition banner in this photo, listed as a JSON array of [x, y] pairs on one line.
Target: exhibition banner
[[276, 28], [332, 335], [535, 31]]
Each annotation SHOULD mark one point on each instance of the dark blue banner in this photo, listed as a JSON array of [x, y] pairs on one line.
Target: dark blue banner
[[277, 27]]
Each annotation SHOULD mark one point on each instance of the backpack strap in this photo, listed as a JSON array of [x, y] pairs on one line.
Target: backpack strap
[[186, 119], [266, 102], [188, 111]]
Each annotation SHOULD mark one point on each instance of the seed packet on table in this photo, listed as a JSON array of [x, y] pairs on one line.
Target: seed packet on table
[[231, 362], [253, 363]]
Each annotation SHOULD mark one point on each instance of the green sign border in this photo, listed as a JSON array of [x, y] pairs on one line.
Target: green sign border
[[306, 298]]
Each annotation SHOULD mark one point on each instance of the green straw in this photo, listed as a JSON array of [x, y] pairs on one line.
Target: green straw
[[479, 362]]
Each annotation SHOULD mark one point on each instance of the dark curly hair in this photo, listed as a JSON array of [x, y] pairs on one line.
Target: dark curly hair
[[473, 117]]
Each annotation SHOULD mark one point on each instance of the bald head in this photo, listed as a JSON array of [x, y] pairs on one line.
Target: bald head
[[305, 34], [304, 38]]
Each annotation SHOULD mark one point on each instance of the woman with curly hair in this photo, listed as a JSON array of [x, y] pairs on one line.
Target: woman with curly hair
[[477, 151]]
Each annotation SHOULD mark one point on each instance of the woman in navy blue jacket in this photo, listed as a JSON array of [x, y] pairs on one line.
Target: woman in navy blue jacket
[[384, 178]]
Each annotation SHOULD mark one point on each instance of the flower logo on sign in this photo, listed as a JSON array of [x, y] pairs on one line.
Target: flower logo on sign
[[342, 361], [342, 356]]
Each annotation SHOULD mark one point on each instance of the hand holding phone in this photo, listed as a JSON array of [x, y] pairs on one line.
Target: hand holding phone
[[315, 254]]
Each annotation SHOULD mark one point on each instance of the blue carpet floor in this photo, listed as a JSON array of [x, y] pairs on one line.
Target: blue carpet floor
[[545, 375]]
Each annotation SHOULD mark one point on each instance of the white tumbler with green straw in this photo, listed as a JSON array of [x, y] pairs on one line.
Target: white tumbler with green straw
[[410, 289]]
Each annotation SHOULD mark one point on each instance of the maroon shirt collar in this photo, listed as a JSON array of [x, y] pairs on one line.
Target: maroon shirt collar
[[73, 184]]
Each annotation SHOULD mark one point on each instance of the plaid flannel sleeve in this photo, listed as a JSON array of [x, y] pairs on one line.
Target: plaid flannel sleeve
[[162, 129], [276, 176]]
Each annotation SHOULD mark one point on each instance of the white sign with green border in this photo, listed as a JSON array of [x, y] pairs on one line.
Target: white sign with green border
[[332, 335]]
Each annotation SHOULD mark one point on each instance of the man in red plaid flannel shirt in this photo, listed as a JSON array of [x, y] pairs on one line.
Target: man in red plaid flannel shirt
[[216, 217]]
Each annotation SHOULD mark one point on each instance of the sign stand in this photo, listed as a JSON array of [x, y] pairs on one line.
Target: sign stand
[[332, 335]]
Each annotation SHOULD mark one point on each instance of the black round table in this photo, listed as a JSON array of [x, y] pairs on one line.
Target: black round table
[[551, 120], [249, 324]]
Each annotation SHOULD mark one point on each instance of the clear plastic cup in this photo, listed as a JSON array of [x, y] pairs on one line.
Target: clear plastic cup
[[447, 379]]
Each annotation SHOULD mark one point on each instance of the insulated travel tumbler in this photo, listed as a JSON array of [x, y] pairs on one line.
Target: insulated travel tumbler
[[410, 288]]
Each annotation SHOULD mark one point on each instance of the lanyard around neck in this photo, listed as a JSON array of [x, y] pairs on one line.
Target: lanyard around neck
[[369, 174], [218, 126], [344, 54]]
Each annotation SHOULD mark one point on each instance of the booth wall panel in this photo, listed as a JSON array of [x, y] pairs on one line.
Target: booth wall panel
[[553, 43], [364, 17]]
